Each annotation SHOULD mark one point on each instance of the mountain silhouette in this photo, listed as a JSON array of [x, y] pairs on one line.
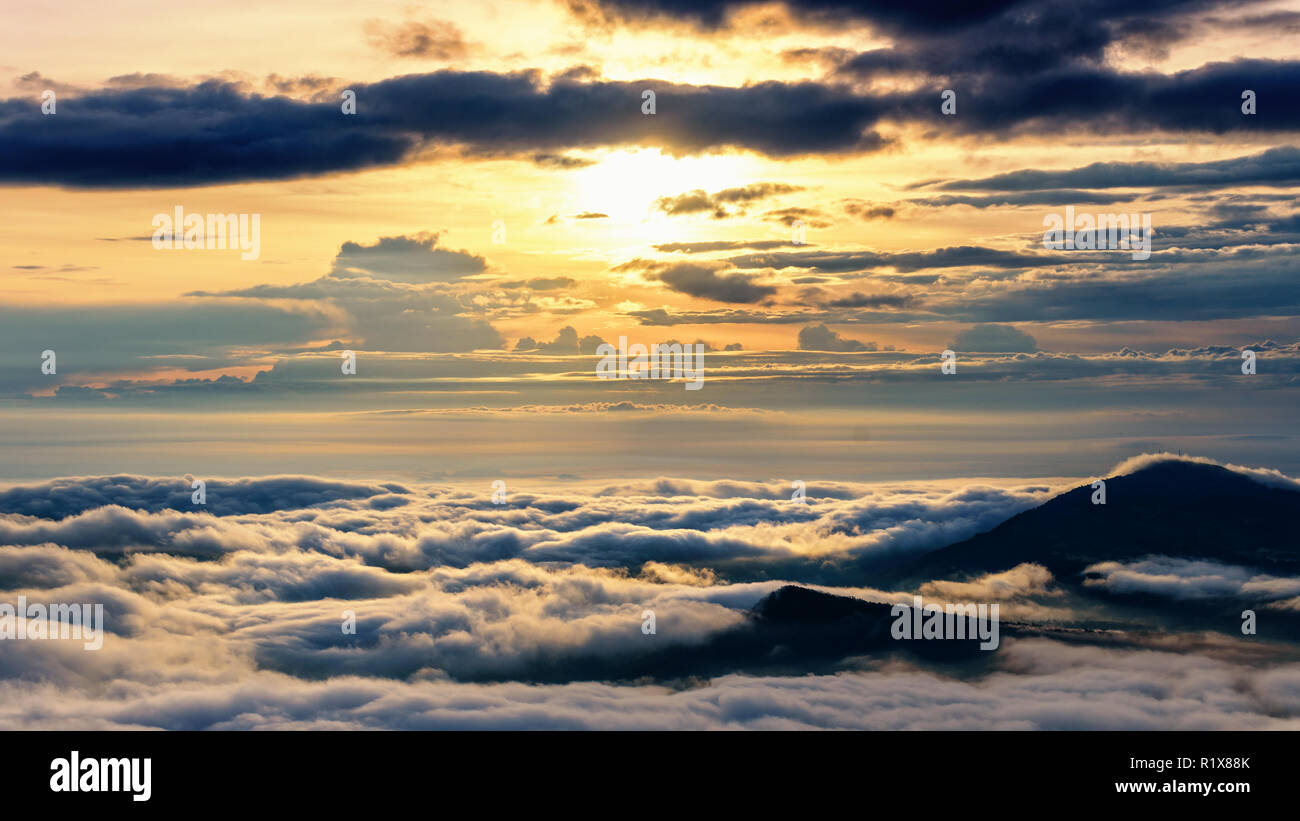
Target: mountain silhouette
[[1186, 510], [791, 631]]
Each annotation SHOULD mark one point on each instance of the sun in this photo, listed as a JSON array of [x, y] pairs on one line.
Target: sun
[[625, 184]]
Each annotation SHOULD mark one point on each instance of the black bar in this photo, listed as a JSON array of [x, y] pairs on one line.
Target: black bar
[[331, 771]]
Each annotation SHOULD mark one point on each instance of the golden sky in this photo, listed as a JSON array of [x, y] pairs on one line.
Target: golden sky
[[507, 141]]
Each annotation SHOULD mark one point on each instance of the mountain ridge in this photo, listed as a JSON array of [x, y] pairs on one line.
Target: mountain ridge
[[1179, 508]]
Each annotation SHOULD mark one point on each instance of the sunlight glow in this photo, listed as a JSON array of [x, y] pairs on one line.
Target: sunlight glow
[[626, 184]]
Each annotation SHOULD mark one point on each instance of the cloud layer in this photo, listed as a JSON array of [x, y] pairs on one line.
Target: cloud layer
[[471, 614]]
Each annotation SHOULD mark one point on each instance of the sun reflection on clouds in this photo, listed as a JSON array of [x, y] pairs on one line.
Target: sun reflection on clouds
[[625, 184]]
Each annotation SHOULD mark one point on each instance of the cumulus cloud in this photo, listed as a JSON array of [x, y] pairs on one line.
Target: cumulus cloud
[[994, 339], [821, 338], [406, 259], [435, 39], [565, 342], [869, 210], [725, 203], [389, 296]]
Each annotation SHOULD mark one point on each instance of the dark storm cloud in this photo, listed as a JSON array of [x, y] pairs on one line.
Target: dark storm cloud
[[1047, 67], [1177, 284], [928, 14], [1030, 37], [1200, 292], [846, 261], [861, 300], [214, 132], [1238, 224], [1201, 100], [1053, 197], [962, 41], [707, 282], [1274, 167]]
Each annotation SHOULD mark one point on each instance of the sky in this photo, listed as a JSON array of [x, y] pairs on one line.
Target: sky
[[502, 201], [445, 216]]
